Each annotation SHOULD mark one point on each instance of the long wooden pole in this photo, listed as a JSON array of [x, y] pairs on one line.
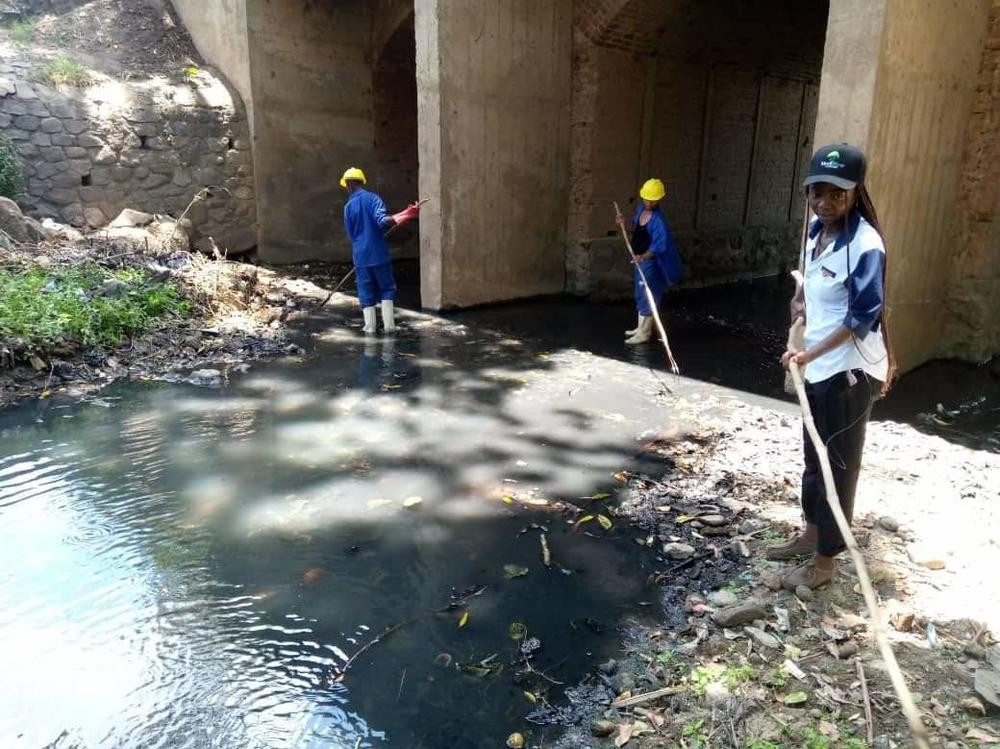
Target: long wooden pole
[[649, 294], [920, 737]]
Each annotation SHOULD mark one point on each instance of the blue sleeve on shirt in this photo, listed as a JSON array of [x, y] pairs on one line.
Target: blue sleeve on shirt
[[382, 218], [866, 287], [662, 245]]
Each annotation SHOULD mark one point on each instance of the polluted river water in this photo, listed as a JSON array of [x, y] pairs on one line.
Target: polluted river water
[[195, 567], [192, 567]]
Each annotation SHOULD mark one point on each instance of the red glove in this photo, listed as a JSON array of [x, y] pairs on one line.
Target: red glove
[[407, 214]]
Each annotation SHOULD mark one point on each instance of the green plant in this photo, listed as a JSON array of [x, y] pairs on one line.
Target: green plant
[[736, 586], [43, 307], [67, 70], [694, 733], [813, 739], [11, 178], [190, 71], [22, 32], [737, 676], [761, 744]]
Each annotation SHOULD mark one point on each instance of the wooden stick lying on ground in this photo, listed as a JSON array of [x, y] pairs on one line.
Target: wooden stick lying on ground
[[649, 295], [920, 738]]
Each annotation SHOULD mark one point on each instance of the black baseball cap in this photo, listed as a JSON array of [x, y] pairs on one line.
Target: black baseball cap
[[842, 165]]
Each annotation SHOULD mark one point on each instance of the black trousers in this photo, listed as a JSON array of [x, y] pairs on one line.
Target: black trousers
[[841, 407]]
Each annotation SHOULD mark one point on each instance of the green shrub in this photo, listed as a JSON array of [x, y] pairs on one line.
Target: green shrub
[[67, 70], [23, 32], [43, 307], [11, 179]]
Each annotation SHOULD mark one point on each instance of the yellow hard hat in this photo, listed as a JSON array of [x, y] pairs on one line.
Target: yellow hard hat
[[353, 174], [652, 189]]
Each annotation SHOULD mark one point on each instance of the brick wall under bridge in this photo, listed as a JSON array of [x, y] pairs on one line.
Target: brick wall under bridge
[[719, 101]]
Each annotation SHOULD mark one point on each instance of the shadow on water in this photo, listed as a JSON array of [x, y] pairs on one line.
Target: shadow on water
[[194, 566]]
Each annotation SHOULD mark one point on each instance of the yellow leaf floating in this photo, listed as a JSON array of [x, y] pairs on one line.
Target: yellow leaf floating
[[531, 698], [508, 500], [581, 521], [410, 502], [605, 522], [464, 619], [684, 518]]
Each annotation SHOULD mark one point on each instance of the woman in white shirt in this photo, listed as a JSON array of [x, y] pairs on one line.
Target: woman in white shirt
[[847, 360]]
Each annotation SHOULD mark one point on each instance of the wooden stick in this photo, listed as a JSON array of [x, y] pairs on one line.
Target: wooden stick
[[648, 696], [649, 295], [869, 722], [909, 709]]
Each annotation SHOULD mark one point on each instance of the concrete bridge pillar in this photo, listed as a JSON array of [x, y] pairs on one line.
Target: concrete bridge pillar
[[493, 88], [899, 79]]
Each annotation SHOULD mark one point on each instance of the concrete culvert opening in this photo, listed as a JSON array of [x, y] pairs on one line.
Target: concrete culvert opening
[[717, 100]]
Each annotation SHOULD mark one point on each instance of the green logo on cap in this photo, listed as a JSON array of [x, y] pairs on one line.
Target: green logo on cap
[[832, 161]]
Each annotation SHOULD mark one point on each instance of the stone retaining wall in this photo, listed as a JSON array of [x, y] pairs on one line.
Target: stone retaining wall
[[152, 145]]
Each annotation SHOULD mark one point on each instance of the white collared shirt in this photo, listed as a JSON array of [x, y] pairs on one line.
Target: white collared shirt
[[830, 303]]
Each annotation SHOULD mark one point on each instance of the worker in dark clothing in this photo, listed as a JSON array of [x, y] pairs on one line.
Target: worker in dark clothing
[[365, 221]]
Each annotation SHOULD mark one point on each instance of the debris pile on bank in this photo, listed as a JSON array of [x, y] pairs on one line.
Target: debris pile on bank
[[739, 662], [130, 300]]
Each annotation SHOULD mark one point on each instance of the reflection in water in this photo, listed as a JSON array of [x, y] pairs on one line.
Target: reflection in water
[[192, 568]]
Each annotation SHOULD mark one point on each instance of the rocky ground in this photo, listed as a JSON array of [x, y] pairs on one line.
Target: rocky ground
[[739, 662]]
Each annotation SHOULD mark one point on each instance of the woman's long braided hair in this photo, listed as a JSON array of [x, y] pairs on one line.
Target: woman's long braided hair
[[866, 208]]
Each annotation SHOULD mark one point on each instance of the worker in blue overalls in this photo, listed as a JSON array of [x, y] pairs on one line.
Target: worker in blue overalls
[[365, 220], [654, 251]]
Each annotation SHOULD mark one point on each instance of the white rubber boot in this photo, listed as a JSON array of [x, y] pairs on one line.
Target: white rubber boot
[[630, 333], [388, 316], [643, 334], [369, 327]]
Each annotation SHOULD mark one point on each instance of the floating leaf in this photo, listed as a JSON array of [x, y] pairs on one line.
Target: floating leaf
[[581, 521], [684, 518], [604, 521], [621, 477], [313, 575], [508, 500], [464, 619], [595, 497], [536, 501], [410, 502], [796, 698], [45, 393], [530, 698], [391, 387], [511, 571], [517, 631], [515, 740]]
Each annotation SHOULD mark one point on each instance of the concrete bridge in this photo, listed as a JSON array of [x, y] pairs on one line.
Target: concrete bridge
[[521, 121]]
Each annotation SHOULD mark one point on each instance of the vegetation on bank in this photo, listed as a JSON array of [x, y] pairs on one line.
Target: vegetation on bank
[[86, 305], [11, 178], [66, 70]]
